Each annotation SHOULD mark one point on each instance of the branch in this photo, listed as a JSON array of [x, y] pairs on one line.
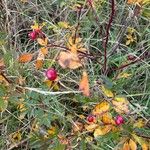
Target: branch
[[107, 34]]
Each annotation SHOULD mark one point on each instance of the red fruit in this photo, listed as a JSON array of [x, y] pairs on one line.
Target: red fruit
[[119, 120], [131, 57], [32, 35], [51, 74], [91, 118], [38, 30]]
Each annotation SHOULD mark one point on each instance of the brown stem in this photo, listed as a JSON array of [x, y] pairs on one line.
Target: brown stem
[[78, 24], [107, 34], [130, 63]]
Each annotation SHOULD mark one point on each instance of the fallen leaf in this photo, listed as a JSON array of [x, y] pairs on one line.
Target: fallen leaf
[[63, 24], [77, 126], [123, 75], [42, 42], [89, 139], [139, 123], [134, 1], [121, 105], [107, 119], [107, 92], [84, 84], [62, 139], [51, 130], [75, 45], [141, 141], [101, 108], [102, 130], [126, 146], [3, 80], [144, 146], [39, 64], [26, 57], [132, 145], [40, 60], [91, 127], [69, 60], [16, 137], [44, 50]]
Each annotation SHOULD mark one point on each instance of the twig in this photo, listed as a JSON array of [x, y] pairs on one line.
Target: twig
[[78, 24], [48, 92], [18, 144], [107, 34]]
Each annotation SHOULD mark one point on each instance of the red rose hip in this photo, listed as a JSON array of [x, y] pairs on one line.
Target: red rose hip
[[119, 120], [51, 74], [32, 35], [91, 118]]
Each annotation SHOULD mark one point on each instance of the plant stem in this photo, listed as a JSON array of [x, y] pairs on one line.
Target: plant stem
[[107, 34]]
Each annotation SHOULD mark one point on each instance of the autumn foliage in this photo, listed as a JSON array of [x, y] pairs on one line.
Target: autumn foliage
[[77, 77]]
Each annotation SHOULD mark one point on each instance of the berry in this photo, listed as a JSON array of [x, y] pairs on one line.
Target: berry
[[119, 120], [131, 57], [51, 74], [91, 118], [32, 35]]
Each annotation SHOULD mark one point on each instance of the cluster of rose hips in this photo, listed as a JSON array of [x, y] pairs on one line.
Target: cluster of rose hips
[[118, 120]]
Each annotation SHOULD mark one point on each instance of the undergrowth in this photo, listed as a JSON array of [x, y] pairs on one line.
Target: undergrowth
[[98, 52]]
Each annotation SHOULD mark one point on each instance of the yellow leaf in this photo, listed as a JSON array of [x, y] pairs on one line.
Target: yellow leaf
[[144, 146], [121, 105], [89, 139], [21, 107], [3, 80], [75, 44], [91, 127], [123, 75], [69, 60], [48, 83], [101, 108], [63, 24], [134, 1], [16, 137], [36, 26], [40, 60], [26, 57], [107, 119], [102, 130], [42, 42], [141, 141], [139, 123], [84, 84], [44, 50], [39, 64], [126, 146], [51, 130], [132, 145], [107, 92]]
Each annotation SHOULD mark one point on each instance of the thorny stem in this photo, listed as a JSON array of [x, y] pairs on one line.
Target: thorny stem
[[107, 34]]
